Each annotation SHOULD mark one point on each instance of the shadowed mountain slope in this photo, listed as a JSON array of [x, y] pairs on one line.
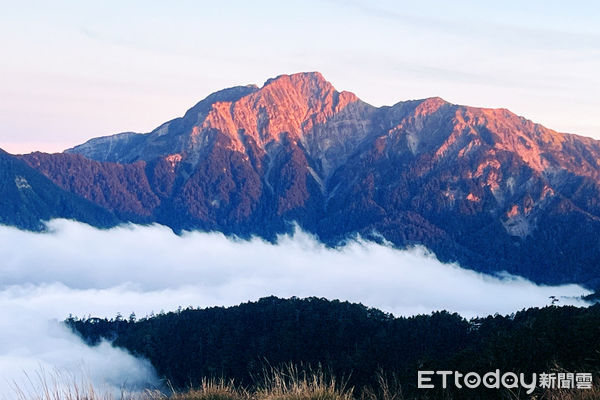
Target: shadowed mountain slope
[[27, 198], [483, 187]]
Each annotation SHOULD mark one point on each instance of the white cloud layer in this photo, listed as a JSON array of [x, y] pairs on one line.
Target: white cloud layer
[[80, 270]]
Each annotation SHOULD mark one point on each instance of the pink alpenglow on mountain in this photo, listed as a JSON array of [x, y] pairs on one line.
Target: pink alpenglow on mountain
[[484, 187]]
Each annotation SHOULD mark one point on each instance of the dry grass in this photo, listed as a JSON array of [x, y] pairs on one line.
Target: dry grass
[[387, 389], [293, 383], [58, 386], [286, 383], [210, 389]]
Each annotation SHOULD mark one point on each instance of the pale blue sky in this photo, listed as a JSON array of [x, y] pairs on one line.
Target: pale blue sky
[[72, 70]]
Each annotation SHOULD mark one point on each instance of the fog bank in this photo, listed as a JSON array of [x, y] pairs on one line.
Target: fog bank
[[77, 269]]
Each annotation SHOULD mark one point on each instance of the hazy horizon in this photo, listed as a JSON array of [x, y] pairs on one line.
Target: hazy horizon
[[81, 70]]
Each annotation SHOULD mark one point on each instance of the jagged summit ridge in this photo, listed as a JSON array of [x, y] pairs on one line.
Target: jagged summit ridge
[[296, 106], [301, 106]]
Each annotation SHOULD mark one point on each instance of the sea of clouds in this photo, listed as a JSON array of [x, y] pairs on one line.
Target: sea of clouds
[[77, 269]]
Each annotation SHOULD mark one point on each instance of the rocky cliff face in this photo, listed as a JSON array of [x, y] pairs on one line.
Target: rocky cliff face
[[483, 187]]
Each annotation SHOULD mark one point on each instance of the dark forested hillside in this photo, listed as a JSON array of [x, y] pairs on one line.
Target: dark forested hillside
[[351, 340], [27, 198]]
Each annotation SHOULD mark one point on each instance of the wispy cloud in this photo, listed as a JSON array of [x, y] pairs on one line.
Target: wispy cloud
[[33, 343], [485, 30], [152, 258]]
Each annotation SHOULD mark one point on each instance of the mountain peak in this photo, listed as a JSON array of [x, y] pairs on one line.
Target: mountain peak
[[304, 86], [308, 87], [288, 104], [310, 79], [430, 105]]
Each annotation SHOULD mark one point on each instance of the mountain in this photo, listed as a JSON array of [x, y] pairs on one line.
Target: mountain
[[483, 187], [27, 198]]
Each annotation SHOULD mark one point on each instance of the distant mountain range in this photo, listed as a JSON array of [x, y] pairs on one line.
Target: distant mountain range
[[483, 187]]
